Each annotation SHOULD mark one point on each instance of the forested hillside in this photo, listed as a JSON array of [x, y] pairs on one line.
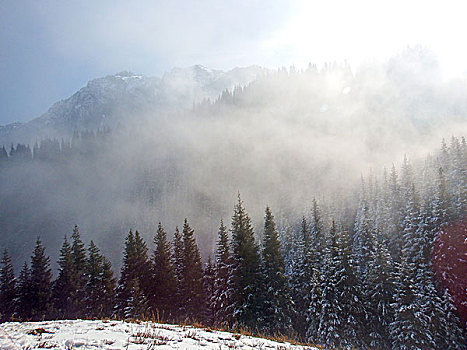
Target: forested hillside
[[233, 175], [287, 137], [387, 275]]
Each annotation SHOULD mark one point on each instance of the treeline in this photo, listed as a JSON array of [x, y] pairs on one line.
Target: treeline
[[374, 279], [84, 287], [169, 284], [51, 149], [379, 281]]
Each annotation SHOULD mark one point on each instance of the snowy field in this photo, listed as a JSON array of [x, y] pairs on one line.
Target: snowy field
[[79, 334]]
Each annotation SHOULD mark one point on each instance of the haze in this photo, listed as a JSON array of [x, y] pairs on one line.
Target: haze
[[49, 49]]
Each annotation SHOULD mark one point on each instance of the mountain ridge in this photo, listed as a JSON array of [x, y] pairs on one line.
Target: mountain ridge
[[110, 100]]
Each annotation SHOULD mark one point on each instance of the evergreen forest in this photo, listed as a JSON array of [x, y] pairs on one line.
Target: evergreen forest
[[388, 275]]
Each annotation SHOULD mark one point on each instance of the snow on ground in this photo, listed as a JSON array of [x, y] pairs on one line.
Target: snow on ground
[[78, 334]]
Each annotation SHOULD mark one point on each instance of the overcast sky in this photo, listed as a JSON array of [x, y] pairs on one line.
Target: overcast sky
[[50, 49]]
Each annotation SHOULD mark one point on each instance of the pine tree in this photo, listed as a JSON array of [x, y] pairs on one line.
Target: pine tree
[[373, 270], [137, 305], [40, 283], [221, 300], [456, 175], [407, 177], [164, 282], [378, 291], [341, 312], [78, 252], [381, 219], [7, 288], [316, 235], [363, 242], [64, 289], [440, 207], [246, 269], [350, 294], [437, 302], [100, 284], [312, 314], [192, 287], [208, 280], [278, 302], [452, 333], [394, 219], [407, 328], [302, 278], [410, 328], [412, 243], [133, 276], [93, 287], [24, 293], [287, 235], [108, 283], [422, 316], [437, 315], [178, 263], [329, 321]]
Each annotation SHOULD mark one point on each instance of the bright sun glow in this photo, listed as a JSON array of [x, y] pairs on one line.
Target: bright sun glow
[[363, 30]]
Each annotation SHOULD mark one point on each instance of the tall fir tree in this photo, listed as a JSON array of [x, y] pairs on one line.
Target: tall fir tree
[[340, 324], [452, 332], [192, 286], [178, 263], [350, 293], [137, 305], [440, 206], [246, 269], [363, 245], [24, 304], [434, 302], [40, 283], [316, 236], [108, 283], [162, 296], [93, 287], [208, 280], [302, 278], [8, 291], [278, 301], [312, 315], [457, 178], [392, 235], [78, 252], [407, 328], [375, 275], [64, 289], [221, 300], [100, 284], [449, 264], [133, 277], [378, 291]]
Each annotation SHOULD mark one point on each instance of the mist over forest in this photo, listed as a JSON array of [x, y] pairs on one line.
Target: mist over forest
[[321, 205], [278, 137], [289, 170]]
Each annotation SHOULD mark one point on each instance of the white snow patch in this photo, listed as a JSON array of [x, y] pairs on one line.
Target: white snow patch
[[80, 334]]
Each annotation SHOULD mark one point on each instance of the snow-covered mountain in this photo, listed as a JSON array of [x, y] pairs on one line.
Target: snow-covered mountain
[[125, 97], [124, 335]]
